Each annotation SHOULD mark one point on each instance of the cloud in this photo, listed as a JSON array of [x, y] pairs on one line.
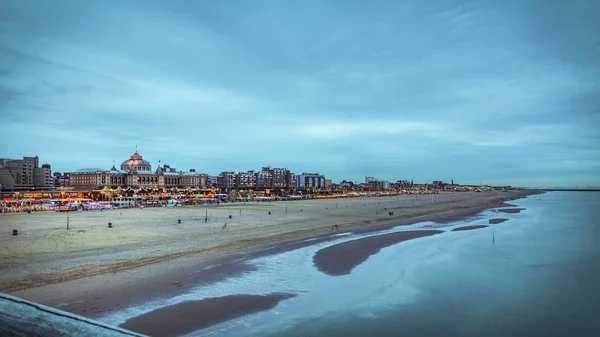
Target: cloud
[[336, 130], [480, 91]]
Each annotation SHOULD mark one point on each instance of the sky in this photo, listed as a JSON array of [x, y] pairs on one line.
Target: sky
[[490, 92]]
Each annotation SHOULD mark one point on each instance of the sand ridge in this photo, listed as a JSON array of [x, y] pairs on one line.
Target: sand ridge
[[195, 315], [340, 259]]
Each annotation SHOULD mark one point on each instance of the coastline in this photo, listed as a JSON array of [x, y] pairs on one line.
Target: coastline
[[195, 315], [340, 259], [92, 295]]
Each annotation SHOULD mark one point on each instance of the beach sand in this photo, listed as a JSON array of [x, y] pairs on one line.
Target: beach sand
[[92, 270], [468, 228], [511, 210], [190, 316], [341, 258]]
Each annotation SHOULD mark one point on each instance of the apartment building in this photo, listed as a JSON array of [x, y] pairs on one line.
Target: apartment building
[[28, 174]]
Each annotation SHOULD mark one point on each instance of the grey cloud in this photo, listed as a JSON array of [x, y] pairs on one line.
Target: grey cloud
[[513, 86]]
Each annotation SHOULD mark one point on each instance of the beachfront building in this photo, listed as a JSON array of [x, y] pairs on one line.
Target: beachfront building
[[211, 181], [293, 181], [377, 185], [26, 173], [246, 180], [61, 179], [135, 172], [268, 178], [7, 180], [311, 181], [346, 185], [264, 179], [226, 181]]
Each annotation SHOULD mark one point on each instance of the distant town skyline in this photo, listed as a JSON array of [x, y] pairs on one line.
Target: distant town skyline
[[162, 166], [486, 92]]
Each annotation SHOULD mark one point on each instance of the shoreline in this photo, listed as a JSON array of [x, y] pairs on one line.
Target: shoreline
[[340, 259], [194, 315], [92, 295]]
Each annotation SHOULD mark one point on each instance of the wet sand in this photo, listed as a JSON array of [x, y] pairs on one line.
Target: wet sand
[[341, 258], [190, 316], [497, 221], [511, 210], [468, 228], [138, 289]]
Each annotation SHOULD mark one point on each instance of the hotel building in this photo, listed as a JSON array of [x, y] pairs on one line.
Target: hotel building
[[269, 178], [135, 172], [311, 181]]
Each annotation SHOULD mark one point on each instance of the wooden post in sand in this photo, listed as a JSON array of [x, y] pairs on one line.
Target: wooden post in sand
[[67, 222], [285, 208]]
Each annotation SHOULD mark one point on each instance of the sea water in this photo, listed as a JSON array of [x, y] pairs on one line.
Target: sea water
[[538, 274]]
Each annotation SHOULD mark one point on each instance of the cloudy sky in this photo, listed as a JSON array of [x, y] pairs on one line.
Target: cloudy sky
[[499, 92]]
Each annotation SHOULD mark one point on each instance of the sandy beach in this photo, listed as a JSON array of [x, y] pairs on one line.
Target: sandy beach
[[92, 270], [194, 315]]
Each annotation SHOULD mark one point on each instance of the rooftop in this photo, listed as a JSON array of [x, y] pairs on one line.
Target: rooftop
[[88, 170]]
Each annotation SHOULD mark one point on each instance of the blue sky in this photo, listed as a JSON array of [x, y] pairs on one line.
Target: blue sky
[[499, 92]]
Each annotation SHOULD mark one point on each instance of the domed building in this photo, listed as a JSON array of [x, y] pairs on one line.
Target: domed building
[[136, 173], [136, 163]]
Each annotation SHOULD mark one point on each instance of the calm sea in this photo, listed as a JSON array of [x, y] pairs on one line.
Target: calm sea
[[540, 278], [537, 274]]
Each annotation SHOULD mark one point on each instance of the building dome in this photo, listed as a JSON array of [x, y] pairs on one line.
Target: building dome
[[137, 163]]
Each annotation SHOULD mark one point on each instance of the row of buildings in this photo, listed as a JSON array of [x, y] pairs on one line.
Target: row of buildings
[[137, 173], [269, 178]]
